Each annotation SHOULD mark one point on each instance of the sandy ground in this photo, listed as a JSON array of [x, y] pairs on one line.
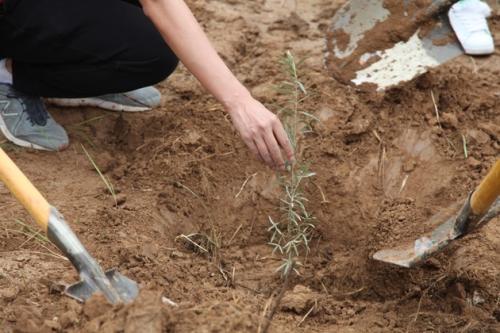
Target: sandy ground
[[179, 169]]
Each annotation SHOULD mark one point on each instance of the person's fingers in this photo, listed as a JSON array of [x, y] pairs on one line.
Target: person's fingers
[[263, 151], [249, 141], [283, 140], [274, 149], [253, 148]]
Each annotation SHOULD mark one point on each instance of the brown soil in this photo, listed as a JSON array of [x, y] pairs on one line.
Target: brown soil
[[178, 169]]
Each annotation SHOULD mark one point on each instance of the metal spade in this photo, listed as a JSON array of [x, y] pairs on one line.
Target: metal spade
[[113, 285], [479, 208], [380, 43]]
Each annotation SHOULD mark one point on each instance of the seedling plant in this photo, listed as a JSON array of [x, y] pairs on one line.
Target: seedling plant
[[291, 233]]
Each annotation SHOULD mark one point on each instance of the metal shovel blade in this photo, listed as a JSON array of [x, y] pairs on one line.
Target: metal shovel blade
[[416, 252], [113, 285], [126, 288], [361, 51], [411, 254]]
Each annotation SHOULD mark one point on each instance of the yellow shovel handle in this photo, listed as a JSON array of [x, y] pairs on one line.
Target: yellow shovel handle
[[487, 192], [24, 191]]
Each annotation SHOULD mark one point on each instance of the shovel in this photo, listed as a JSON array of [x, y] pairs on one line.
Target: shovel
[[479, 208], [380, 43], [113, 285]]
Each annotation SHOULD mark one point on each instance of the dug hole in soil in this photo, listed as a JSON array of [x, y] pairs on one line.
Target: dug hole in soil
[[384, 166]]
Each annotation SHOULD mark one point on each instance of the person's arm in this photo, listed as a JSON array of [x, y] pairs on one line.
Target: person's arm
[[260, 129]]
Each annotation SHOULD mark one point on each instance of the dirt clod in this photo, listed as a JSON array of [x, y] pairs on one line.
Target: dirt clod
[[449, 120], [299, 300], [68, 318]]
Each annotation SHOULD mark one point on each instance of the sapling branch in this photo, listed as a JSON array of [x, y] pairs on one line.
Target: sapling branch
[[290, 234]]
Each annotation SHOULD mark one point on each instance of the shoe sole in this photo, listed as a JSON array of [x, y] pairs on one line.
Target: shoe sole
[[479, 52], [96, 102], [17, 141]]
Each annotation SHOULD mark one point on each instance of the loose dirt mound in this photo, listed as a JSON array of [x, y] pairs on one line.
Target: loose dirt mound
[[385, 164]]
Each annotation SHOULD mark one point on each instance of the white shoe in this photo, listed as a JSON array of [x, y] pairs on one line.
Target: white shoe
[[468, 19]]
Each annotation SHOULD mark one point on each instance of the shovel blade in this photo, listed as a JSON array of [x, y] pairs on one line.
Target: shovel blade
[[361, 50], [126, 288], [416, 252], [407, 60]]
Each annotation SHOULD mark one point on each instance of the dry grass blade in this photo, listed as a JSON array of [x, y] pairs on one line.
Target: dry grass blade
[[308, 313], [104, 179], [464, 144], [37, 234], [214, 239], [30, 236], [234, 234], [323, 197], [188, 238], [244, 184], [436, 110], [403, 184], [52, 255]]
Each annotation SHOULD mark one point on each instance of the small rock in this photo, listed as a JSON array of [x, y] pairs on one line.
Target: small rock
[[56, 287], [96, 306], [449, 120], [493, 130], [177, 255], [68, 318], [9, 294], [458, 290], [120, 199], [191, 138], [433, 263], [299, 300], [409, 166], [52, 324], [478, 136], [359, 126], [473, 163], [477, 299]]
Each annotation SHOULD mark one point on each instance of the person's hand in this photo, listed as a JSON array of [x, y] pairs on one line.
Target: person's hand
[[262, 132]]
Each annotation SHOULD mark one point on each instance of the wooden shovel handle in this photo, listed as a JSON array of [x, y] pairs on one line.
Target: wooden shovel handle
[[24, 191], [487, 192]]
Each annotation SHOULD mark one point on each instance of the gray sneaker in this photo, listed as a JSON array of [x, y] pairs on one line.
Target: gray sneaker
[[24, 120], [138, 100]]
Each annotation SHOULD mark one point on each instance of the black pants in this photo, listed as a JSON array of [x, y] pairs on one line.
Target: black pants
[[82, 48]]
